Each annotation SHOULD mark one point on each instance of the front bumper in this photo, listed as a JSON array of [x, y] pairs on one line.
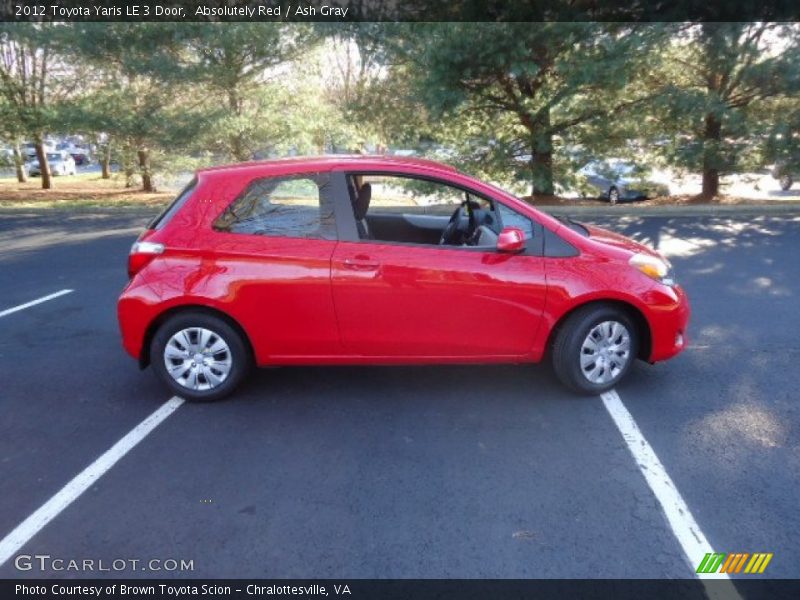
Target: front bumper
[[669, 319]]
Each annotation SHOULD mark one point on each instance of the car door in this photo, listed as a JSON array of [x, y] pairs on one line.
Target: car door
[[412, 300], [273, 246]]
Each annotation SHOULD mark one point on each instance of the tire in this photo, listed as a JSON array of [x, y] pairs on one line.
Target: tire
[[786, 182], [613, 195], [572, 344], [178, 342]]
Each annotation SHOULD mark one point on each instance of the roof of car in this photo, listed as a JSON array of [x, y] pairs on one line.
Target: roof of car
[[330, 161]]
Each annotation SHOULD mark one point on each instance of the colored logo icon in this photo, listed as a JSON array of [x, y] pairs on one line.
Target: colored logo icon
[[719, 562]]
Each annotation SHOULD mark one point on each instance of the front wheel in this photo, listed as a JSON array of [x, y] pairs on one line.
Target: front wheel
[[786, 182], [594, 349], [199, 356], [613, 195]]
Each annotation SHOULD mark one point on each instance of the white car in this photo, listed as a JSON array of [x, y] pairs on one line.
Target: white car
[[616, 179], [783, 174], [29, 149], [61, 163]]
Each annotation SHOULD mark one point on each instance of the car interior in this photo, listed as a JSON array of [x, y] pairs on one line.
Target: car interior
[[407, 215]]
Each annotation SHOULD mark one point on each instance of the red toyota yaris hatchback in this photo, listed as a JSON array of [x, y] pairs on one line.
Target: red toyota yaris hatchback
[[378, 260]]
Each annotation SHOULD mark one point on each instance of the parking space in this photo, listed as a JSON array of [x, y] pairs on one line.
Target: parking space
[[469, 471], [724, 416]]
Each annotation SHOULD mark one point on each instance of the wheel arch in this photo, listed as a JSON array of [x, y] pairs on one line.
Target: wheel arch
[[144, 357], [636, 315]]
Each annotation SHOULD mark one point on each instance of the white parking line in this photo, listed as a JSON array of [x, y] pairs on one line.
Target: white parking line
[[82, 481], [14, 309], [686, 530]]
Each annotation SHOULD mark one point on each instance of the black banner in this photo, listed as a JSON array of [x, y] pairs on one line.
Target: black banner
[[399, 10], [405, 589]]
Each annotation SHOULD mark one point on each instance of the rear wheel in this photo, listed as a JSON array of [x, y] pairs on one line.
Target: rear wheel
[[786, 182], [594, 349], [199, 356], [613, 195]]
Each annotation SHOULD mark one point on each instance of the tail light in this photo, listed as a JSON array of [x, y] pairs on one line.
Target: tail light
[[142, 252]]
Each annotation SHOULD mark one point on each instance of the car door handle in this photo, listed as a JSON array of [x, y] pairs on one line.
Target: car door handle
[[359, 264]]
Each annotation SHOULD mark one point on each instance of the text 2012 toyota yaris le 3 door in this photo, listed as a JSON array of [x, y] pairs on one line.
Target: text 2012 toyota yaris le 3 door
[[378, 260]]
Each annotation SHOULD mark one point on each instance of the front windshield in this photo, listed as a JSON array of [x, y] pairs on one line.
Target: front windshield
[[52, 157]]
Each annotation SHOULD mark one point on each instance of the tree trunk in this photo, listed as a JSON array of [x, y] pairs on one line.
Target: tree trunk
[[236, 140], [542, 170], [542, 157], [542, 161], [44, 166], [129, 173], [144, 170], [711, 139], [19, 163], [105, 162]]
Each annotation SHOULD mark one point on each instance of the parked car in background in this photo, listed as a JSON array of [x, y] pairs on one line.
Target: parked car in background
[[61, 163], [29, 149], [333, 260], [80, 154], [616, 179], [784, 175]]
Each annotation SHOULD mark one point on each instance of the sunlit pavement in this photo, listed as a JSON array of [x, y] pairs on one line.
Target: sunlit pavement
[[490, 471]]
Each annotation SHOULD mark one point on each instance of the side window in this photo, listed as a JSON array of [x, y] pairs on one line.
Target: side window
[[294, 206], [162, 219], [411, 196], [511, 218]]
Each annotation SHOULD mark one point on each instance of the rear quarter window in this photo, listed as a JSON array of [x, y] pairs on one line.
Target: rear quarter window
[[166, 215], [291, 206]]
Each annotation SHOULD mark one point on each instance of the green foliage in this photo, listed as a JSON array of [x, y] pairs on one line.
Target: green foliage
[[527, 90], [720, 81], [523, 104]]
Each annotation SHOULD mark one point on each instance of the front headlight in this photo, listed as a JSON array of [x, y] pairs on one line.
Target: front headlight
[[653, 267]]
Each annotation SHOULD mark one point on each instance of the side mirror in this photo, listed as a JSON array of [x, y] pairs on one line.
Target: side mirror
[[511, 239]]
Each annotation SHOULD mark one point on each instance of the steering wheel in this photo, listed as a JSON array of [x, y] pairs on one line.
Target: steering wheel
[[455, 234]]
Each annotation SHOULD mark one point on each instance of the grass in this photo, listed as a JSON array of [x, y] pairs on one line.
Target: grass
[[84, 190], [89, 190]]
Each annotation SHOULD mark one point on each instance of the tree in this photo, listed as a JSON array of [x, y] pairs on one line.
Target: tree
[[12, 132], [529, 84], [33, 81], [720, 77], [138, 95], [781, 144], [235, 63], [373, 92]]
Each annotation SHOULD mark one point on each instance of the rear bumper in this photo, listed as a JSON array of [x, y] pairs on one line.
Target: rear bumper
[[133, 326], [137, 308], [669, 319]]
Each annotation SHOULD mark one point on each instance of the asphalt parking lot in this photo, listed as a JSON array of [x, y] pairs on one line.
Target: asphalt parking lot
[[434, 472]]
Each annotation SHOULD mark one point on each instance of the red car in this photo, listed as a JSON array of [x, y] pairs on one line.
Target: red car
[[383, 260]]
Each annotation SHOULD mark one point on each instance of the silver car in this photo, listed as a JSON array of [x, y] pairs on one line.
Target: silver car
[[784, 175], [616, 179], [61, 163]]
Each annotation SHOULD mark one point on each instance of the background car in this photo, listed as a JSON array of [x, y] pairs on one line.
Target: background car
[[334, 260], [617, 179], [783, 173], [61, 163], [80, 154], [29, 149]]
